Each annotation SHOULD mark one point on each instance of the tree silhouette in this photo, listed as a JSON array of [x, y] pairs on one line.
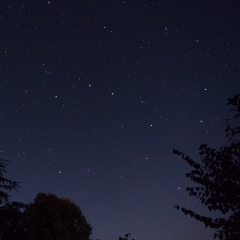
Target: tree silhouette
[[6, 185], [53, 218], [13, 221], [9, 212], [218, 180]]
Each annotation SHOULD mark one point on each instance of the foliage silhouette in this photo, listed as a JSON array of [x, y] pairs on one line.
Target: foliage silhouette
[[218, 180], [10, 214], [53, 218], [13, 221], [6, 185], [126, 236]]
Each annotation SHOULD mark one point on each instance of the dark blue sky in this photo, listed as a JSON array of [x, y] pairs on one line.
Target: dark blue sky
[[94, 95]]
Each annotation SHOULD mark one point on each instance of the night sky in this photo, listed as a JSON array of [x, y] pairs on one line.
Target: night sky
[[94, 95]]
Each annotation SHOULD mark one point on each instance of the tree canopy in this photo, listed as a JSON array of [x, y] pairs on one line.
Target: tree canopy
[[217, 176], [13, 221], [53, 218]]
